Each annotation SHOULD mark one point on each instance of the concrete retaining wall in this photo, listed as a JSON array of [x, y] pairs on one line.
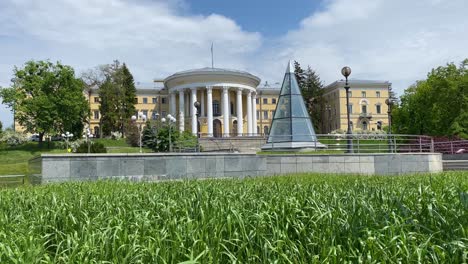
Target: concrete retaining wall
[[75, 167]]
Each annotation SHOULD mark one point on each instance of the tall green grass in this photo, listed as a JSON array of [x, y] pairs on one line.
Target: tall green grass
[[289, 219]]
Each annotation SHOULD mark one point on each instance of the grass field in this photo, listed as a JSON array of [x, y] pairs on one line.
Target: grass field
[[14, 160], [293, 219]]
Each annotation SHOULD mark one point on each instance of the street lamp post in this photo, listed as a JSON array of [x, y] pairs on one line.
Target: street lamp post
[[198, 107], [67, 137], [88, 134], [134, 118], [170, 120], [389, 102], [346, 71]]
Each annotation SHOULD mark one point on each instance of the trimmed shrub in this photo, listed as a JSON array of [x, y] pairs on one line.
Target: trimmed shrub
[[94, 147]]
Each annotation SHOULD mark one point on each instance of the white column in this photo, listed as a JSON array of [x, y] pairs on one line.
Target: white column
[[181, 110], [225, 112], [193, 99], [254, 113], [173, 104], [187, 106], [202, 96], [209, 99], [249, 113], [240, 125]]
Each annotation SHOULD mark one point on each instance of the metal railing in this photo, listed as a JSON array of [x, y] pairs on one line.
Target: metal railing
[[451, 147], [361, 143], [331, 143]]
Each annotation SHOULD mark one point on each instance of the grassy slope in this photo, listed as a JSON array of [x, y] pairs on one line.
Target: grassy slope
[[14, 160], [298, 219]]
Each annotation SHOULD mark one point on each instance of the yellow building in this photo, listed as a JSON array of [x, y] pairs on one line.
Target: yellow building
[[368, 111], [231, 103], [151, 99]]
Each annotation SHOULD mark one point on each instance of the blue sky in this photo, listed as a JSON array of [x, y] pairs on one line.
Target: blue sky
[[399, 40], [271, 18]]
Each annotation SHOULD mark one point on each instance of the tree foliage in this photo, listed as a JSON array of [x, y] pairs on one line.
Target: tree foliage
[[437, 106], [133, 134], [92, 147], [13, 138], [117, 94], [47, 98], [150, 136], [312, 91]]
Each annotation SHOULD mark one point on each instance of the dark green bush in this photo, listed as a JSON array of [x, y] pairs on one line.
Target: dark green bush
[[95, 147]]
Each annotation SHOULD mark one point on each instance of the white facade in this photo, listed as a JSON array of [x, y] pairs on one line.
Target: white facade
[[227, 98]]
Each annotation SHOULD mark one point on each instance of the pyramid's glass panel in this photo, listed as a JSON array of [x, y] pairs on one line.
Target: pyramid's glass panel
[[280, 131], [291, 121], [286, 87], [298, 107], [283, 108], [294, 86], [302, 129]]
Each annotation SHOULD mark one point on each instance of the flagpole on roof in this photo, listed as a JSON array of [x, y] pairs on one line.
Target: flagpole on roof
[[212, 64]]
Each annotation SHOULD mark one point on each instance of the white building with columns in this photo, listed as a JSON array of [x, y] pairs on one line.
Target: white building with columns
[[228, 101]]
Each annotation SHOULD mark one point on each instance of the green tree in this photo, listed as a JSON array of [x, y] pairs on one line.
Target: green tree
[[47, 98], [1, 127], [163, 137], [117, 93], [312, 91], [437, 106], [150, 136]]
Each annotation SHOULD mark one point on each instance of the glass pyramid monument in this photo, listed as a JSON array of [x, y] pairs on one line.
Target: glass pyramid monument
[[291, 127]]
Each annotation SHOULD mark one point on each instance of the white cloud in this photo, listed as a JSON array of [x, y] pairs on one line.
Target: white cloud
[[399, 40], [153, 38]]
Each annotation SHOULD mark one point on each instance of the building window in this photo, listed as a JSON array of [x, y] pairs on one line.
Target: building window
[[265, 114], [96, 131], [96, 99], [145, 100], [256, 100], [364, 109], [215, 108], [136, 100], [145, 113], [363, 94], [378, 109], [258, 114], [273, 100], [272, 114], [377, 94], [350, 108], [265, 130], [265, 100], [163, 100], [155, 100], [96, 114], [350, 94], [364, 125]]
